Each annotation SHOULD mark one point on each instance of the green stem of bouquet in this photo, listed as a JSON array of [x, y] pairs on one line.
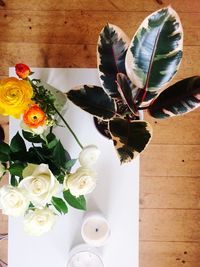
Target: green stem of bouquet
[[68, 127]]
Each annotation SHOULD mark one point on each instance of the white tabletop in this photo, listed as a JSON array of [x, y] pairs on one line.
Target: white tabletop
[[116, 194]]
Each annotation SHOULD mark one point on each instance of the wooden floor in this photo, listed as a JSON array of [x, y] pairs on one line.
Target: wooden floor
[[63, 33]]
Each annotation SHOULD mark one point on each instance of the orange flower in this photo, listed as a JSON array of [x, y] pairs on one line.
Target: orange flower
[[22, 70], [34, 117]]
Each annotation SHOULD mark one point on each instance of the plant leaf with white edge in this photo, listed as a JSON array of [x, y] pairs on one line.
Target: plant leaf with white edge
[[129, 138], [155, 52], [125, 88], [102, 127], [111, 51], [94, 100], [182, 97]]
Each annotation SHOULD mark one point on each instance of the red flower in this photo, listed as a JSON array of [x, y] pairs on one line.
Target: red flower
[[34, 117], [22, 70]]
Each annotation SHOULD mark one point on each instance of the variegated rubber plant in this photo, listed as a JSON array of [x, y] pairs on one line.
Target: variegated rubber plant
[[133, 74]]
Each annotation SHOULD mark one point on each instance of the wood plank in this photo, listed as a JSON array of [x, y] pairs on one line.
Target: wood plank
[[169, 225], [169, 254], [79, 27], [169, 192], [171, 160], [183, 130], [76, 56], [108, 5]]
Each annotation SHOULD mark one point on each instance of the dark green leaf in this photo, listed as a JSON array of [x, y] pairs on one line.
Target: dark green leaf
[[59, 204], [17, 144], [94, 100], [17, 168], [129, 137], [155, 52], [111, 51], [70, 163], [51, 137], [4, 157], [75, 202], [60, 178], [13, 180], [60, 155], [180, 98], [33, 138], [4, 148]]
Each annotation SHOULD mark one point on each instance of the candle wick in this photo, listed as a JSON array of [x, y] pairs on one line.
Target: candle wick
[[96, 229]]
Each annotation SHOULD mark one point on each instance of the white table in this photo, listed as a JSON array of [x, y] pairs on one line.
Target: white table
[[116, 195]]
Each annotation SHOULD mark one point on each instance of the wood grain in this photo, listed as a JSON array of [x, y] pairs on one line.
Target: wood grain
[[63, 33], [169, 254], [74, 56], [102, 5], [79, 27]]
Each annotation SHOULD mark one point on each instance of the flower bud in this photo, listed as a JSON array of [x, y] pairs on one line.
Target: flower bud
[[22, 70]]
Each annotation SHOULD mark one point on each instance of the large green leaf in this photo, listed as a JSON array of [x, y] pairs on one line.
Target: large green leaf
[[155, 52], [129, 137], [181, 97], [17, 144], [111, 51], [94, 100]]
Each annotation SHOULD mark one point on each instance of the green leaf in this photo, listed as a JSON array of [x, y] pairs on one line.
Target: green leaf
[[70, 163], [59, 204], [60, 178], [13, 180], [4, 148], [60, 155], [129, 137], [75, 202], [182, 97], [155, 52], [111, 51], [17, 168], [94, 100], [52, 144], [17, 144], [33, 138], [4, 157]]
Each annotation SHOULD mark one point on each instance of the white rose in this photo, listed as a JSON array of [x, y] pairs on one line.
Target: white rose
[[39, 130], [39, 221], [13, 200], [40, 184], [82, 182], [2, 169], [89, 155]]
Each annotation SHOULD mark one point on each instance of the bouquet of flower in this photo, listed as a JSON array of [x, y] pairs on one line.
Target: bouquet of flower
[[41, 183]]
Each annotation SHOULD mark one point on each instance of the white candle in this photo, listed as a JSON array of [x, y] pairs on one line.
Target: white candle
[[84, 256], [95, 229]]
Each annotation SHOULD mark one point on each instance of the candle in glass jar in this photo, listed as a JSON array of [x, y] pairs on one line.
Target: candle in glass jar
[[95, 229], [84, 255]]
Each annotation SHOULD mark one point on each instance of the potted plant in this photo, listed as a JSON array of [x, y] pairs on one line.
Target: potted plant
[[133, 75]]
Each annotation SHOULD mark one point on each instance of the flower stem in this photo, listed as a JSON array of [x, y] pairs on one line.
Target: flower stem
[[68, 127], [60, 115]]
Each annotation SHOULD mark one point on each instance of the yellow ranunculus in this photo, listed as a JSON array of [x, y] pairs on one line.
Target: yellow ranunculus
[[15, 96]]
